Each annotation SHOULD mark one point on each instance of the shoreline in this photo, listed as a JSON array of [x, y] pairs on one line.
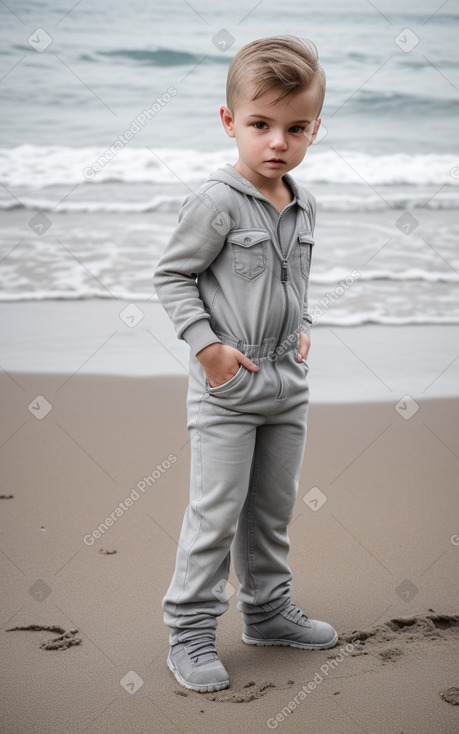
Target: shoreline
[[347, 364]]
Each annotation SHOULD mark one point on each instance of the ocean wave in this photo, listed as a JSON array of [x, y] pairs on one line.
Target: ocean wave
[[165, 204], [40, 166], [163, 56], [359, 319], [353, 167], [397, 201], [147, 57], [324, 285], [385, 103], [335, 276], [171, 204], [320, 318]]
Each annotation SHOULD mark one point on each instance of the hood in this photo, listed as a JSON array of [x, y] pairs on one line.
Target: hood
[[231, 177]]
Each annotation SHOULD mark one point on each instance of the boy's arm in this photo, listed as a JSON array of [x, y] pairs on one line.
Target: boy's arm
[[195, 244], [192, 248], [307, 319]]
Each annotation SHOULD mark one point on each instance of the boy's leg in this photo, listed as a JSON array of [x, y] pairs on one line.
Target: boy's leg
[[261, 544], [222, 443]]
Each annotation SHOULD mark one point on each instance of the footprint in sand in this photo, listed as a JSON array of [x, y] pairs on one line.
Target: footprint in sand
[[386, 640], [249, 692], [451, 695], [64, 641]]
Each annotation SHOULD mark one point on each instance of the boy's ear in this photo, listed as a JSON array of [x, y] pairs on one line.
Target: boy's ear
[[312, 130], [227, 120]]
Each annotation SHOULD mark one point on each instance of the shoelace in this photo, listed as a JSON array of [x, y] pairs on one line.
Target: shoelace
[[294, 614], [201, 649]]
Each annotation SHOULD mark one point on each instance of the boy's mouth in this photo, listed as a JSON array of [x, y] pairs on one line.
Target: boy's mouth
[[276, 160]]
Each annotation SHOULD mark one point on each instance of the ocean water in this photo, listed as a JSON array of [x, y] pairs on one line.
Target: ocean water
[[110, 118]]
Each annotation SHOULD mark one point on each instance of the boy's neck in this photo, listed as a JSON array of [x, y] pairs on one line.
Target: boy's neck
[[277, 191]]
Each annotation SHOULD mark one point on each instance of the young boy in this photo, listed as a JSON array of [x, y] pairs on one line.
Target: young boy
[[234, 281]]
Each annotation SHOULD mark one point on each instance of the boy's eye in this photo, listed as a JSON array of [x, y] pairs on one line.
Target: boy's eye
[[263, 126]]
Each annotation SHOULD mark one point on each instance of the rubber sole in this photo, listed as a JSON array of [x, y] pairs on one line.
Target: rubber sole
[[286, 643], [208, 688]]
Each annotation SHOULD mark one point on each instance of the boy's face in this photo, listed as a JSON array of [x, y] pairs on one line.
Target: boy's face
[[272, 137]]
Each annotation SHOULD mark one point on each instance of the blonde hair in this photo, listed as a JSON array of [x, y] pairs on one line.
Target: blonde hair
[[284, 63]]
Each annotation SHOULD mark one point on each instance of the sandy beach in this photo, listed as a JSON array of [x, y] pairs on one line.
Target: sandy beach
[[375, 551]]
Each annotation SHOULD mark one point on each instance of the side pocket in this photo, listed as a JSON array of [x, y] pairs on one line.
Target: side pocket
[[306, 243], [227, 387]]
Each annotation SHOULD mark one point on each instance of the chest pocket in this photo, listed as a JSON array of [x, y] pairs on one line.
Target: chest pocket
[[249, 251], [306, 242]]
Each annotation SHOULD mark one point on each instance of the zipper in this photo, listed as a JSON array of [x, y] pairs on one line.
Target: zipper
[[284, 273], [284, 281]]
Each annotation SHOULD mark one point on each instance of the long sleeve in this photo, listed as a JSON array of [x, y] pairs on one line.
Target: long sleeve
[[307, 319], [196, 242]]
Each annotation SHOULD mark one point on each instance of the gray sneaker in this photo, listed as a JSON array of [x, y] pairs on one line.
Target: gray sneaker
[[195, 663], [291, 627]]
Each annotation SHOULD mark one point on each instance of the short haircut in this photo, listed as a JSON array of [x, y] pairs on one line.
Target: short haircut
[[284, 63]]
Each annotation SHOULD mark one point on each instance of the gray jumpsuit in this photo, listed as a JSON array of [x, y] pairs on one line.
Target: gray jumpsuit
[[236, 271]]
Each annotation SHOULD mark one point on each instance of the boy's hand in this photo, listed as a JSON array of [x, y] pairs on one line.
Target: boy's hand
[[221, 362], [303, 349]]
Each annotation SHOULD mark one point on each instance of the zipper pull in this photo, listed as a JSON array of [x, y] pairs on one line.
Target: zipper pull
[[284, 271]]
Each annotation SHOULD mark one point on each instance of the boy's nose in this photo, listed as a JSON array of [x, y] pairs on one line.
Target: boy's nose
[[278, 142]]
